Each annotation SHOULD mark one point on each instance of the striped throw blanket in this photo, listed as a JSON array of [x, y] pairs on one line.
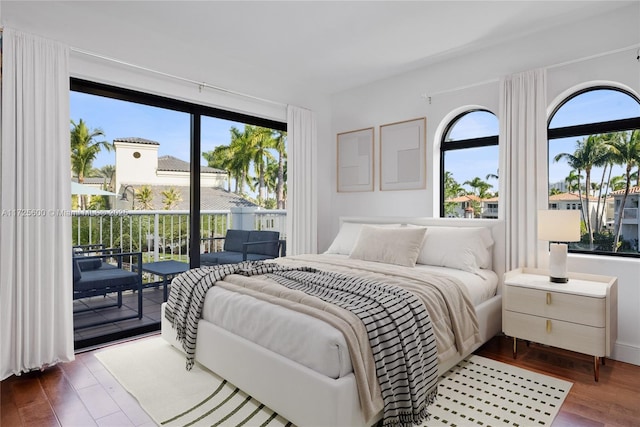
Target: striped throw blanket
[[397, 323]]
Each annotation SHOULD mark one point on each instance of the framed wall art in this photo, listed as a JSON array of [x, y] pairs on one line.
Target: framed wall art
[[355, 160], [403, 155]]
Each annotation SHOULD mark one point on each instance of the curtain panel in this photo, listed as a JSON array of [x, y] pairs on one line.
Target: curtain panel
[[523, 142], [302, 212], [36, 321]]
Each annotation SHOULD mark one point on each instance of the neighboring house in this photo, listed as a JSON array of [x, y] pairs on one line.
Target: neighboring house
[[464, 205], [630, 229], [573, 201], [468, 204], [490, 207], [138, 164]]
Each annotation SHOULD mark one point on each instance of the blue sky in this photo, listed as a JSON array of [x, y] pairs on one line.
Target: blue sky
[[120, 119]]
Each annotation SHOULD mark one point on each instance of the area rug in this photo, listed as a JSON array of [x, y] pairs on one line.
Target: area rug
[[477, 391], [484, 392]]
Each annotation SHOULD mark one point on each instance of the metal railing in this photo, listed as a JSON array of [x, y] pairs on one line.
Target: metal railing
[[162, 234]]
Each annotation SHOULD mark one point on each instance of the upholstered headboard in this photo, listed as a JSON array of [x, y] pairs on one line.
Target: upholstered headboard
[[496, 227]]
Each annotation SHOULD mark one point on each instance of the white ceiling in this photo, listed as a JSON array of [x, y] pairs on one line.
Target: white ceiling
[[323, 45]]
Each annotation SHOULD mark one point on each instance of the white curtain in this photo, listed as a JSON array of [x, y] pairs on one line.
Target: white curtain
[[36, 320], [523, 134], [302, 212]]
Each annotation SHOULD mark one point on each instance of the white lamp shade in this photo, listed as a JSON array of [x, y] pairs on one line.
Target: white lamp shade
[[559, 225]]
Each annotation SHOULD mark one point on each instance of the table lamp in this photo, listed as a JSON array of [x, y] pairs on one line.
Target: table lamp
[[558, 227]]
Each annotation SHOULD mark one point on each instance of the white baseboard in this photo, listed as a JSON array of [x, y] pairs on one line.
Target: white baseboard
[[627, 353]]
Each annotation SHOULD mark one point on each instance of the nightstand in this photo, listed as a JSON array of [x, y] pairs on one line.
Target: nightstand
[[580, 316]]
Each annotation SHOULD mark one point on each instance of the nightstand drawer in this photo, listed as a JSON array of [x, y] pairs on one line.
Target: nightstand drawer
[[570, 336], [580, 309]]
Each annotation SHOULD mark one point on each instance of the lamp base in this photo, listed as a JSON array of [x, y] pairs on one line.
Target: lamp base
[[558, 279]]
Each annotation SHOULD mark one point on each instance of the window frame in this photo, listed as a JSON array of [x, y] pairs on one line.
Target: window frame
[[461, 144], [607, 126]]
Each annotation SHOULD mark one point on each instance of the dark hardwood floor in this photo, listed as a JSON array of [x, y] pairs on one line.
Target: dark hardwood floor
[[83, 393]]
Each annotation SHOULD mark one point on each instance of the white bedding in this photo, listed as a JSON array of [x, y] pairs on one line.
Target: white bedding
[[305, 339]]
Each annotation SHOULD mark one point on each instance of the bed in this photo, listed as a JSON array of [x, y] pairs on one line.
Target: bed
[[299, 365]]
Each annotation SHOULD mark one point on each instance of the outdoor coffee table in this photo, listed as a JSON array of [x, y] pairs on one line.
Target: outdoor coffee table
[[165, 269]]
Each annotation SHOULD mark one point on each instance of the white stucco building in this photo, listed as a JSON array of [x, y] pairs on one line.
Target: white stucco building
[[137, 163]]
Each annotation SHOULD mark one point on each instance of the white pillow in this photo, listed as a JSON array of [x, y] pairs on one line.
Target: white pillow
[[347, 236], [399, 246], [462, 248]]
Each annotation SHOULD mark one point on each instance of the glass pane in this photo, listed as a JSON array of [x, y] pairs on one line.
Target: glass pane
[[598, 105], [471, 182], [476, 124], [140, 156], [581, 178], [243, 185]]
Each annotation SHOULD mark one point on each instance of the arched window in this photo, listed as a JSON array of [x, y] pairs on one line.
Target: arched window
[[469, 166], [594, 160]]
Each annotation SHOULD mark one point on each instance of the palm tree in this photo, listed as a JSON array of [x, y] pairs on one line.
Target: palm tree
[[108, 172], [554, 191], [241, 149], [144, 196], [617, 182], [84, 149], [261, 144], [271, 177], [626, 152], [479, 186], [590, 152], [452, 189], [281, 147], [221, 157], [170, 198], [573, 181]]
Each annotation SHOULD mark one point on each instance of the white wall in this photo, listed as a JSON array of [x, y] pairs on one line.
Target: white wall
[[575, 57]]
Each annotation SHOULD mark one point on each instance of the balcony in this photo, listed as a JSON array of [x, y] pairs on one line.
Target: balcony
[[630, 215], [159, 235]]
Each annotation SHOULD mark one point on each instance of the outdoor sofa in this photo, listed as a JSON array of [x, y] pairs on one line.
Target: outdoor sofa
[[245, 245]]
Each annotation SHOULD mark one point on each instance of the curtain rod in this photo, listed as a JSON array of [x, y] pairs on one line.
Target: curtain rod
[[200, 85], [428, 96]]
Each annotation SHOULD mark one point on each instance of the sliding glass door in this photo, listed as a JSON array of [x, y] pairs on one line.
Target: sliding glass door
[[164, 179]]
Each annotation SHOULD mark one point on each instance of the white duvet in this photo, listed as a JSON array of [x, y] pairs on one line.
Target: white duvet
[[305, 339]]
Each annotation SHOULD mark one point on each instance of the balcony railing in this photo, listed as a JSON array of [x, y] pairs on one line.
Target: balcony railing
[[630, 214], [162, 234]]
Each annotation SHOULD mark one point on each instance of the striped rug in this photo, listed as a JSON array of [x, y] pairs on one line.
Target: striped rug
[[477, 391], [154, 373]]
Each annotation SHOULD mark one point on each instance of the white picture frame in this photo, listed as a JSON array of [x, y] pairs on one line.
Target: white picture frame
[[403, 156], [355, 162]]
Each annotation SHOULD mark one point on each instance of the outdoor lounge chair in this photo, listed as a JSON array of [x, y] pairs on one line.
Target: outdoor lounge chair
[[93, 276], [245, 245]]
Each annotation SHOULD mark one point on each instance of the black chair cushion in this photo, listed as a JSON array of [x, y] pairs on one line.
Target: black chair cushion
[[106, 278]]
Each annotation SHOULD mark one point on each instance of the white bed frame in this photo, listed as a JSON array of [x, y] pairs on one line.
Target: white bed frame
[[300, 394]]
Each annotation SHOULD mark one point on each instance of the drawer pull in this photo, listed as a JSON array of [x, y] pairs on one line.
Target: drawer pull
[[548, 326], [548, 298]]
